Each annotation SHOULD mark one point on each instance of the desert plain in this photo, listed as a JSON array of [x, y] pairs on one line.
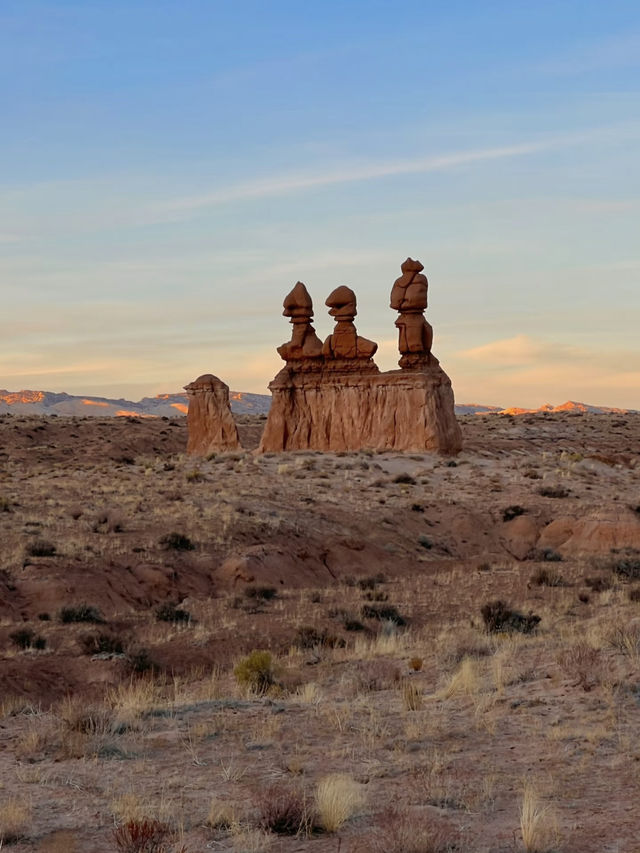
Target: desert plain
[[397, 652]]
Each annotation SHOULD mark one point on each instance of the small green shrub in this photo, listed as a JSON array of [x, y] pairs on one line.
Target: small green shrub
[[255, 671]]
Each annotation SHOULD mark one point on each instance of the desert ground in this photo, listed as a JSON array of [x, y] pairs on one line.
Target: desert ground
[[398, 653]]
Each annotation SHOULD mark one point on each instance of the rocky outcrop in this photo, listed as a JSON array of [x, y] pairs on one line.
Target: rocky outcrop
[[341, 401], [604, 532], [209, 419], [338, 410]]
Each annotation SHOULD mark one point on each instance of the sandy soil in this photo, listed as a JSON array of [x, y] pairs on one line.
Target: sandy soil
[[364, 576]]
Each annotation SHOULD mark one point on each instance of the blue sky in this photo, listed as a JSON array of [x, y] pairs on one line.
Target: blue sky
[[168, 171]]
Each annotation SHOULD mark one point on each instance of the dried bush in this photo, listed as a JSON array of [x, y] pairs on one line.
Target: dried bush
[[284, 811], [547, 577], [372, 581], [101, 644], [142, 836], [627, 566], [626, 639], [170, 613], [139, 661], [634, 594], [308, 637], [386, 613], [405, 478], [512, 512], [548, 555], [398, 831], [584, 663], [176, 542], [598, 584], [255, 671], [262, 593], [553, 492], [374, 675], [498, 617], [80, 613], [26, 638], [41, 548]]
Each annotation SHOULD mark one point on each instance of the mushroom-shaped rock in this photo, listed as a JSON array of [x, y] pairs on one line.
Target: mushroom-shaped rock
[[304, 343], [345, 341]]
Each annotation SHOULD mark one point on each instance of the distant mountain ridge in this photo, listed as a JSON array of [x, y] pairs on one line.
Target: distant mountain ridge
[[162, 405], [242, 403]]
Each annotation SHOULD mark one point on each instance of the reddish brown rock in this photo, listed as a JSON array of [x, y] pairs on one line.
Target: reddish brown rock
[[345, 342], [331, 410], [409, 297], [304, 343], [209, 419], [606, 531], [343, 402]]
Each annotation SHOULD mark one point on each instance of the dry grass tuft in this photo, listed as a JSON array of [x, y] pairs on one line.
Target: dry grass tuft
[[15, 817], [338, 798], [537, 823]]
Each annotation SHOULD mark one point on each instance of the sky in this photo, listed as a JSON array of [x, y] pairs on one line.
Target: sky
[[170, 168]]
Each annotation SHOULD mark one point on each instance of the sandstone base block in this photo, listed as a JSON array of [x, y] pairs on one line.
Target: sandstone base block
[[328, 409], [209, 420]]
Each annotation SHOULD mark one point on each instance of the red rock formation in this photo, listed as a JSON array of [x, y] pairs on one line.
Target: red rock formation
[[335, 410], [343, 402], [304, 343], [345, 342], [409, 297], [209, 419]]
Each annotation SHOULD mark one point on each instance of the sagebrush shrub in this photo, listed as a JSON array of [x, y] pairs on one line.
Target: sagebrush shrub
[[498, 617], [170, 613], [80, 613], [284, 811], [255, 671], [176, 542]]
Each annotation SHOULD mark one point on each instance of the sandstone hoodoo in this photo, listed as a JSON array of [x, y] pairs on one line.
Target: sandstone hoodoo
[[339, 400], [209, 419]]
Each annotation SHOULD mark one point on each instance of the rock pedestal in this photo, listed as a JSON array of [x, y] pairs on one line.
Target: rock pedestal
[[209, 420], [331, 409], [339, 400]]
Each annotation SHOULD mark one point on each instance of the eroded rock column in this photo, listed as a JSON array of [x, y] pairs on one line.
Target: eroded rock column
[[209, 420]]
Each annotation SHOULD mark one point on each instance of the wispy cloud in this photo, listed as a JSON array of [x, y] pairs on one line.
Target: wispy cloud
[[519, 351], [284, 184]]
